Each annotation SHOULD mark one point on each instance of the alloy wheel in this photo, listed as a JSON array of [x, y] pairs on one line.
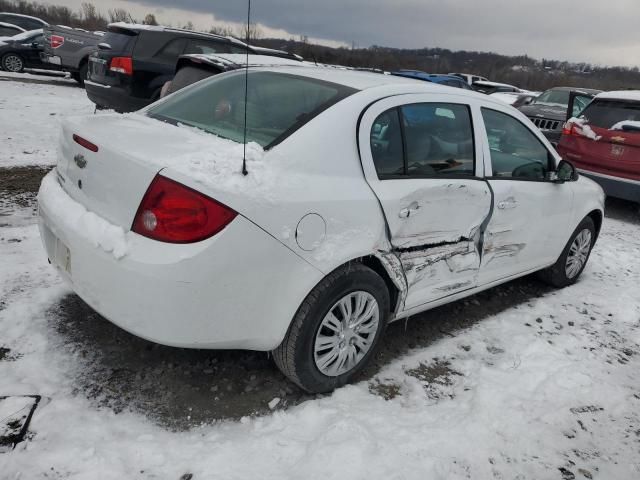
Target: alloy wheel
[[578, 253], [13, 63], [346, 333]]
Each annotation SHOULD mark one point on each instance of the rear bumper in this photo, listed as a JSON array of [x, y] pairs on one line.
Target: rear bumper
[[113, 97], [617, 187], [238, 289]]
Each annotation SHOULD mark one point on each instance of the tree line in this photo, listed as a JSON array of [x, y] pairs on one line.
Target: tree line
[[522, 71]]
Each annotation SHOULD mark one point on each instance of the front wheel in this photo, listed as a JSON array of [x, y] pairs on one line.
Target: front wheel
[[12, 62], [336, 330], [574, 257]]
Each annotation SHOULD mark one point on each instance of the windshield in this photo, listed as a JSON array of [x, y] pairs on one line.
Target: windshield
[[278, 104], [554, 97]]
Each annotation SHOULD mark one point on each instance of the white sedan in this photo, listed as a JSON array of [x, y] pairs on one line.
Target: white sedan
[[367, 198]]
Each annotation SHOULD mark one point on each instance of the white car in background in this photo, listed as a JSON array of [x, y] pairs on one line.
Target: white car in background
[[367, 198]]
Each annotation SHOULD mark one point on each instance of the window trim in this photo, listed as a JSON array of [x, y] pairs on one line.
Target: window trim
[[406, 175], [550, 157]]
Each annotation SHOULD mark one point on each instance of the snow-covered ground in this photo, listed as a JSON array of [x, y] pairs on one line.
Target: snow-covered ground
[[548, 388], [30, 108]]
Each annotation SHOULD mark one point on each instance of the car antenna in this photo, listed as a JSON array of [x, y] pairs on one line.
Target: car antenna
[[246, 92]]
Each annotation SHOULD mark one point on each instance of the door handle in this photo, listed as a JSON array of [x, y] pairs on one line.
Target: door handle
[[506, 204], [410, 210]]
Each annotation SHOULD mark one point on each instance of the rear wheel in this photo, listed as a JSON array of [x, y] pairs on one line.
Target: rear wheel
[[81, 74], [574, 257], [12, 62], [336, 330]]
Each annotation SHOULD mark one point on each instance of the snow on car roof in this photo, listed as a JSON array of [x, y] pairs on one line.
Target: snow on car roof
[[240, 60], [357, 79], [24, 16], [621, 95], [487, 83], [28, 34], [11, 25]]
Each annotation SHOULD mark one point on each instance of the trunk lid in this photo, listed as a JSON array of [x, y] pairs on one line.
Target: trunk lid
[[132, 149]]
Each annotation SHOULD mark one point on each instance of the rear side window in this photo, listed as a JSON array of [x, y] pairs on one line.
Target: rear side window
[[171, 50], [606, 113], [515, 151], [424, 140], [119, 42], [278, 104], [198, 45], [8, 31]]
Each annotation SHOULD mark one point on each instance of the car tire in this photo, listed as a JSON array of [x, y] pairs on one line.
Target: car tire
[[320, 332], [574, 257], [81, 74], [12, 62]]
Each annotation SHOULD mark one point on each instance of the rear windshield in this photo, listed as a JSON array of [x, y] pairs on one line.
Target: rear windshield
[[278, 104], [119, 42], [606, 113]]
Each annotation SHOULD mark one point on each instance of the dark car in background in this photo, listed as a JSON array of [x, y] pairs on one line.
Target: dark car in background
[[23, 21], [448, 80], [195, 67], [133, 62], [604, 143], [549, 111], [23, 51]]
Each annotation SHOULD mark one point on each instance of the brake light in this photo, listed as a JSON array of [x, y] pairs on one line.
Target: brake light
[[569, 129], [121, 65], [174, 213], [85, 143], [56, 41]]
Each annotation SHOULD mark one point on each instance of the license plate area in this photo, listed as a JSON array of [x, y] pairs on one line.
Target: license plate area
[[59, 253], [97, 66]]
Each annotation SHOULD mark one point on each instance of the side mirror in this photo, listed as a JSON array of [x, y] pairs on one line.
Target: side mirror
[[565, 172]]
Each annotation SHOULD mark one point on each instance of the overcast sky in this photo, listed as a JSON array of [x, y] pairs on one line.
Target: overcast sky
[[595, 31]]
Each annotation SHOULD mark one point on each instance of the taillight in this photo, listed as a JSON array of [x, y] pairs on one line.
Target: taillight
[[121, 65], [569, 129], [85, 143], [56, 41], [174, 213]]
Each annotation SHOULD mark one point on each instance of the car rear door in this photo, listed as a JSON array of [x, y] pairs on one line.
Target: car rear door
[[422, 161], [529, 224]]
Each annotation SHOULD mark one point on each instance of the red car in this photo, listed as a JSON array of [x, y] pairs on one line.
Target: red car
[[604, 143]]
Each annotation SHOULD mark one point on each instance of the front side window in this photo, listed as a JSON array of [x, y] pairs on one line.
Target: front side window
[[277, 105], [515, 151]]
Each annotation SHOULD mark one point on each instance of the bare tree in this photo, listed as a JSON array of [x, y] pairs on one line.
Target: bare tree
[[221, 30], [120, 15], [250, 32], [150, 19]]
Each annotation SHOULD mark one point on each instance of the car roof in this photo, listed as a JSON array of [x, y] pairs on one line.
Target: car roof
[[11, 25], [430, 77], [229, 61], [361, 80], [138, 27], [24, 16], [633, 95], [487, 83]]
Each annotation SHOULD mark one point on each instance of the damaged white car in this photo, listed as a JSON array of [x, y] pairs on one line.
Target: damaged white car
[[367, 198]]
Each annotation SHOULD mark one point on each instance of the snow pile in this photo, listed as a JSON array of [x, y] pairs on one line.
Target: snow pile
[[70, 215], [583, 128], [626, 123]]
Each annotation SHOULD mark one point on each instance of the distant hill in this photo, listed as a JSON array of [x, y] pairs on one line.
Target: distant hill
[[522, 71]]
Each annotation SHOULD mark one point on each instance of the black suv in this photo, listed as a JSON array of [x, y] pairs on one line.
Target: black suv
[[133, 62]]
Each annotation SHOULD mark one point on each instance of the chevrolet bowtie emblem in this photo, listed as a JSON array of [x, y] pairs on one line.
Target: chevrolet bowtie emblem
[[81, 162], [618, 139]]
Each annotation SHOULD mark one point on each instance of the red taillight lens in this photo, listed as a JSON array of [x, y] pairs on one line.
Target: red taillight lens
[[568, 129], [174, 213], [121, 65], [56, 41], [85, 143]]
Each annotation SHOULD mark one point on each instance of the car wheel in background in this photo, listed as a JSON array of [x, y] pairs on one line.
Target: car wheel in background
[[336, 330], [81, 74], [12, 62], [574, 257]]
